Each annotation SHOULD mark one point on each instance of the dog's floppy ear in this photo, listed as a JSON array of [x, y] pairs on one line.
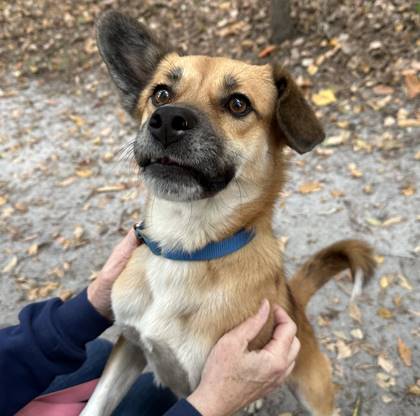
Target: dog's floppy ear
[[130, 52], [295, 117]]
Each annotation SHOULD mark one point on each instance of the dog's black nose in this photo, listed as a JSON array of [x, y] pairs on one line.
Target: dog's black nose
[[169, 123]]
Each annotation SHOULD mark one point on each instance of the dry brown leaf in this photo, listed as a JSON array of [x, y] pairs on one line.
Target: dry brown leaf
[[66, 182], [65, 294], [412, 84], [309, 187], [268, 50], [405, 352], [379, 259], [414, 389], [385, 364], [383, 90], [404, 282], [385, 281], [324, 97], [354, 312], [354, 170], [336, 193], [391, 221], [385, 381], [78, 232], [10, 265], [385, 313], [111, 188], [84, 172], [417, 155], [343, 350], [33, 249], [356, 333], [3, 200], [409, 190]]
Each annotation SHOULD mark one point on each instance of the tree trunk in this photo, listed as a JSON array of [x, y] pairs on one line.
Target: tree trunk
[[281, 21]]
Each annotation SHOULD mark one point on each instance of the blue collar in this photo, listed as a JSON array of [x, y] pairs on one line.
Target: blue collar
[[211, 251]]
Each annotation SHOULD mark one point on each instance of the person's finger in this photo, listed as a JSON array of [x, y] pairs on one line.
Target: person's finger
[[284, 332], [294, 350], [249, 329], [288, 371], [129, 242]]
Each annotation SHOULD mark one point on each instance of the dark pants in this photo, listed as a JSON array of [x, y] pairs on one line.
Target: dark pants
[[143, 399]]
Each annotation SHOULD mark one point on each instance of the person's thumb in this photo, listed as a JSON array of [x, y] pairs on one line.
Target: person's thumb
[[249, 329]]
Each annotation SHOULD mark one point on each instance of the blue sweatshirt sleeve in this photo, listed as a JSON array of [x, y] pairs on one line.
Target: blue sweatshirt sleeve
[[49, 340], [182, 408]]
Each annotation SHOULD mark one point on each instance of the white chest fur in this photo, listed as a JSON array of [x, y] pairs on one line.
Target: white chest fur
[[153, 316]]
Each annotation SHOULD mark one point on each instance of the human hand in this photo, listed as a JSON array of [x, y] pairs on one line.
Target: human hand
[[234, 377], [99, 291]]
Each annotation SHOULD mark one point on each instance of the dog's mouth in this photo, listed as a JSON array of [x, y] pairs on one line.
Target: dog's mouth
[[170, 164], [177, 180]]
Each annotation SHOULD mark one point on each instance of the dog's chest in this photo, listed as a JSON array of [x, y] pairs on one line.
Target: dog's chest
[[157, 323]]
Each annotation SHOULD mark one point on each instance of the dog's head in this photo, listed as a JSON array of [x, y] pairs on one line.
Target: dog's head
[[203, 121]]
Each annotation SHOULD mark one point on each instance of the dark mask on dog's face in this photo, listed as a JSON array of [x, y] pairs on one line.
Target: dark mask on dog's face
[[204, 122]]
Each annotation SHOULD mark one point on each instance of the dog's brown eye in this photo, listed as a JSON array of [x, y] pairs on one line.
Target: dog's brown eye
[[161, 95], [239, 105]]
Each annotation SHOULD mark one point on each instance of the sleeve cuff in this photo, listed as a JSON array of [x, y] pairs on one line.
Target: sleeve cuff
[[80, 321], [182, 408]]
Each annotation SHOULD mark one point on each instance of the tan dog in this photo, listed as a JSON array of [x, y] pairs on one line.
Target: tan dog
[[210, 150]]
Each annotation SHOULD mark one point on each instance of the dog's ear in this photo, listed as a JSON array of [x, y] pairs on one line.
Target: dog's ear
[[294, 116], [130, 52]]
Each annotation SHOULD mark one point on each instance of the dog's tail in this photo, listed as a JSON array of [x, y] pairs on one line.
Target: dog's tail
[[320, 268]]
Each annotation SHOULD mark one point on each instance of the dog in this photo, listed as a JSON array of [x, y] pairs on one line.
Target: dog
[[210, 148]]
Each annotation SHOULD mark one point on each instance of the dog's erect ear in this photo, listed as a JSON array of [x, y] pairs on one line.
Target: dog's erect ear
[[294, 115], [130, 52]]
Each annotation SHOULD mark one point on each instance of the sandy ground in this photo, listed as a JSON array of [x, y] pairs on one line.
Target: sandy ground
[[69, 189]]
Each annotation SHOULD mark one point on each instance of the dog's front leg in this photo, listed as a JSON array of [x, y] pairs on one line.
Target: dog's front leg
[[124, 365]]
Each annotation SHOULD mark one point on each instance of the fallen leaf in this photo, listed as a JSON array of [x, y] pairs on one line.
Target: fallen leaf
[[385, 281], [111, 188], [33, 249], [412, 84], [268, 50], [379, 259], [385, 313], [386, 399], [3, 200], [84, 172], [309, 187], [356, 333], [385, 381], [336, 193], [10, 265], [343, 350], [414, 389], [65, 294], [354, 312], [373, 221], [66, 182], [354, 170], [383, 90], [385, 364], [392, 221], [324, 97], [404, 282], [405, 352], [356, 410], [78, 232], [409, 190]]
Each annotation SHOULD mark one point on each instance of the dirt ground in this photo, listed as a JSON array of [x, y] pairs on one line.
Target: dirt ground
[[69, 188]]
